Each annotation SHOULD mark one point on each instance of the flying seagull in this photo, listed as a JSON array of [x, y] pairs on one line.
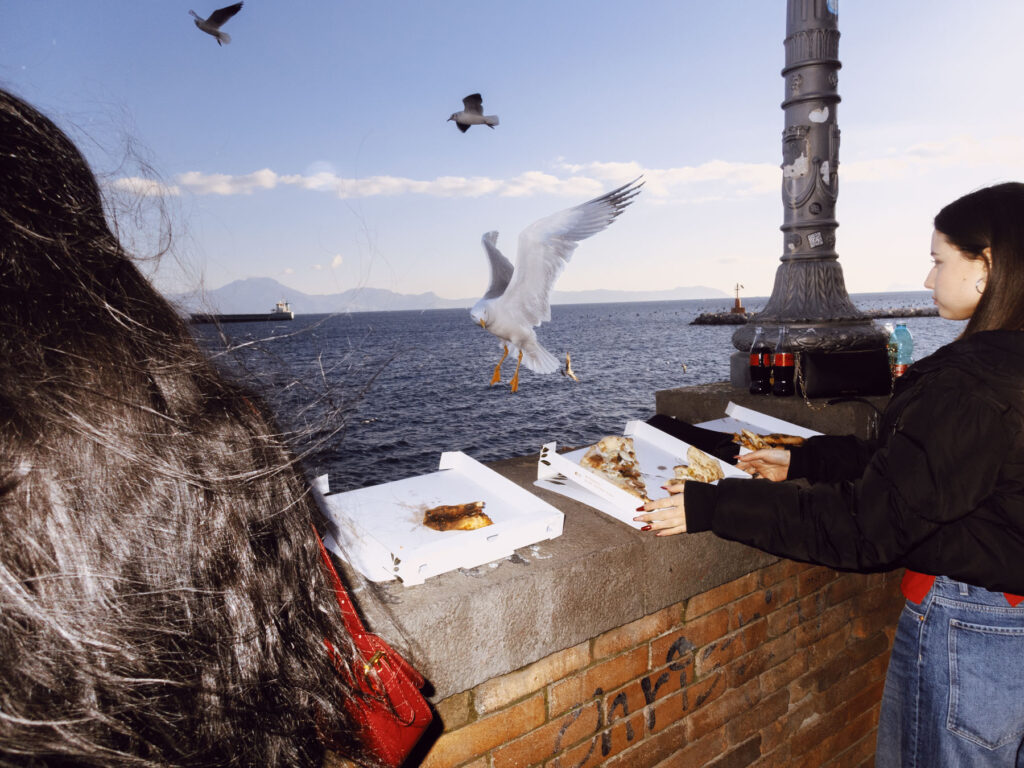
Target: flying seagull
[[212, 25], [518, 298], [472, 113]]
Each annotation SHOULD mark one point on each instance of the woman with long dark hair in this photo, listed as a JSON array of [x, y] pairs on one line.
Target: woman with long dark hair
[[940, 493], [162, 601]]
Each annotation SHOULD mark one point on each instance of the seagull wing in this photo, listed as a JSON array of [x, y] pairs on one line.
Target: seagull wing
[[474, 103], [501, 267], [546, 246], [221, 15]]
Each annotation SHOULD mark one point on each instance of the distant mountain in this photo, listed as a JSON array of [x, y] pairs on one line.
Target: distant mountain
[[601, 296], [259, 294]]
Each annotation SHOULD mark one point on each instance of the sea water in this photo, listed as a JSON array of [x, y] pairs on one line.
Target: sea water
[[377, 396]]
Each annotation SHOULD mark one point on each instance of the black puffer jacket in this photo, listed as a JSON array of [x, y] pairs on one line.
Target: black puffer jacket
[[941, 492]]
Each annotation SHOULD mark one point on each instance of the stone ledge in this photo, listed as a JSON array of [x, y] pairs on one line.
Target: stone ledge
[[707, 402]]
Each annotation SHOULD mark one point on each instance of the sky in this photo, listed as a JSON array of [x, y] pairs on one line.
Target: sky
[[315, 148]]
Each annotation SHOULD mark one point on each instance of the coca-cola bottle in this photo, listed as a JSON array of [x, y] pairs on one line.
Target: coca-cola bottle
[[783, 366], [760, 364]]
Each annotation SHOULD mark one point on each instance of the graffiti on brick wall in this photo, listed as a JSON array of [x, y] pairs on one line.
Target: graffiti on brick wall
[[678, 659]]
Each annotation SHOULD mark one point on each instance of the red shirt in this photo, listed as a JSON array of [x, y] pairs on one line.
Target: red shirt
[[916, 585]]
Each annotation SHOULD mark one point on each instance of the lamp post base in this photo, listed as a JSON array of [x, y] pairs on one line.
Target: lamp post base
[[810, 299]]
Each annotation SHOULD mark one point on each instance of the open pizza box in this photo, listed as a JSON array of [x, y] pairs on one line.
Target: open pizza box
[[656, 452], [380, 532], [737, 417]]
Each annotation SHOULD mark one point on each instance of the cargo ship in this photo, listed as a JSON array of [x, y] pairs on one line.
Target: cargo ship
[[281, 311]]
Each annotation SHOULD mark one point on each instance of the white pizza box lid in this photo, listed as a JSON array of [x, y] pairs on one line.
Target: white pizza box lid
[[657, 453], [737, 418], [379, 530]]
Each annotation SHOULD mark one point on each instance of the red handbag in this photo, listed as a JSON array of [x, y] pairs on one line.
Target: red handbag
[[393, 715]]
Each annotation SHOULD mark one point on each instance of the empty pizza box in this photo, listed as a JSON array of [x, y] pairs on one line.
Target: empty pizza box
[[657, 453], [380, 532]]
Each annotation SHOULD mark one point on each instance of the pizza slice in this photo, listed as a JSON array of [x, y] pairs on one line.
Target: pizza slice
[[457, 517], [754, 441], [614, 459], [776, 440], [700, 467], [749, 440]]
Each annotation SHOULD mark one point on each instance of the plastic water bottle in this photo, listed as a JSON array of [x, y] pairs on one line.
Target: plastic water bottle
[[760, 364], [904, 343], [783, 366]]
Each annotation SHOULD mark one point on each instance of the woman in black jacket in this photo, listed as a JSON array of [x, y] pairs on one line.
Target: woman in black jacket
[[940, 493]]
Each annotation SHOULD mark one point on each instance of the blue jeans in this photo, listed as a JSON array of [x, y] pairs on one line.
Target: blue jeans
[[954, 692]]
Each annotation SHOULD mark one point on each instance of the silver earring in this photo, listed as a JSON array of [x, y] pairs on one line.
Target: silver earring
[[979, 286]]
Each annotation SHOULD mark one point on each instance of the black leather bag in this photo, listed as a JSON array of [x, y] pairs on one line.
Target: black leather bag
[[848, 373]]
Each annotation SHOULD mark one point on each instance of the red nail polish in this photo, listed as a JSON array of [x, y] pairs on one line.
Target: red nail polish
[[646, 528], [640, 509]]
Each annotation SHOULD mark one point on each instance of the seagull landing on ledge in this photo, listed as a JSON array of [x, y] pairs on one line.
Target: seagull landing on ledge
[[212, 25], [519, 297], [473, 114]]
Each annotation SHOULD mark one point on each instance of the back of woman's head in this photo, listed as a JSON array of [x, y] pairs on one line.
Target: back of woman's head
[[161, 601], [992, 218]]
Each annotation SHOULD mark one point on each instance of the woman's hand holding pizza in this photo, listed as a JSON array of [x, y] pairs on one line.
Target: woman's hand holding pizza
[[769, 463], [665, 516]]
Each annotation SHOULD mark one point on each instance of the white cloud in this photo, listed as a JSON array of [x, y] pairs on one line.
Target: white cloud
[[713, 180], [529, 183], [709, 181], [223, 184], [145, 187], [336, 261], [690, 183], [526, 184], [963, 152]]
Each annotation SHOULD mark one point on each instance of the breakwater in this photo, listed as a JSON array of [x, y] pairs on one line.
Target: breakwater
[[737, 318]]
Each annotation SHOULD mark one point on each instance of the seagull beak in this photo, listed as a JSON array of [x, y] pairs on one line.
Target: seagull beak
[[483, 324]]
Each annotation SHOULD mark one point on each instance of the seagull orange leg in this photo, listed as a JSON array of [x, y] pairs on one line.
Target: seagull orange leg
[[515, 377], [497, 369]]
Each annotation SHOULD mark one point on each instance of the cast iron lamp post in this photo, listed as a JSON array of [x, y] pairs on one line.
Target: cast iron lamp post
[[809, 295]]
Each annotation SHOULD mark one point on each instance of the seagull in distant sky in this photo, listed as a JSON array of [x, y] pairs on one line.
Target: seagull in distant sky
[[472, 113], [518, 298], [212, 25]]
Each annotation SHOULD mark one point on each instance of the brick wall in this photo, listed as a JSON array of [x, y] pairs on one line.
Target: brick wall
[[782, 667]]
